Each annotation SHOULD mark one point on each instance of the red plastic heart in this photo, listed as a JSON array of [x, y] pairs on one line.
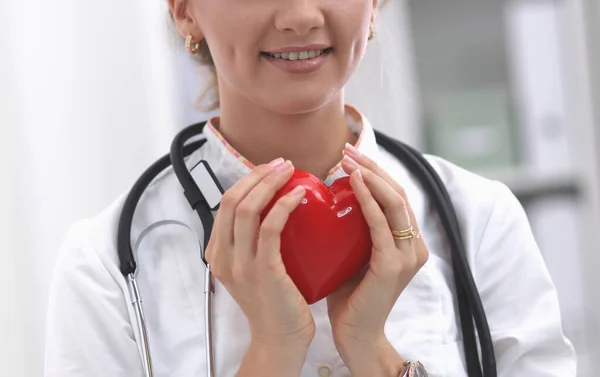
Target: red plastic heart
[[326, 239]]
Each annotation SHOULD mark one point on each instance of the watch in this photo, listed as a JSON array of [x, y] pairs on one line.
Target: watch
[[414, 369]]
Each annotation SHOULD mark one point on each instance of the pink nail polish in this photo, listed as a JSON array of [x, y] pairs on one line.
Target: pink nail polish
[[284, 167], [350, 162], [351, 149], [276, 162], [298, 190], [360, 177]]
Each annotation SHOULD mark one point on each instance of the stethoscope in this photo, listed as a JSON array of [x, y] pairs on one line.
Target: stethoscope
[[472, 314]]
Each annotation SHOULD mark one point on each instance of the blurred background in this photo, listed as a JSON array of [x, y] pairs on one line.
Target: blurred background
[[92, 92]]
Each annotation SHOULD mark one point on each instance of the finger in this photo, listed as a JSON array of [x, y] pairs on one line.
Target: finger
[[396, 218], [378, 224], [394, 205], [248, 212], [224, 220], [365, 161], [269, 239]]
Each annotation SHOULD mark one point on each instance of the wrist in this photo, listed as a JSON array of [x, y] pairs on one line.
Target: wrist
[[279, 360], [374, 359], [291, 342]]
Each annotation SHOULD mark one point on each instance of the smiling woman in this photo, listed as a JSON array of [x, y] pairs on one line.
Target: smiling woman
[[282, 67]]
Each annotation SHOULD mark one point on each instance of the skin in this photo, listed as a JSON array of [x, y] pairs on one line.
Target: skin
[[299, 118]]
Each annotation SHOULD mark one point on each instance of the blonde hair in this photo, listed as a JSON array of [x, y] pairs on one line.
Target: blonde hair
[[205, 59], [211, 90], [209, 97]]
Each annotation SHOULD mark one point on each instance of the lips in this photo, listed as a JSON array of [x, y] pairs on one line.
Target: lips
[[298, 52], [299, 59], [300, 55], [297, 55]]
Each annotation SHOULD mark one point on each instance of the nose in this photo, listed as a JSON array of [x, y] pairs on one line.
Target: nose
[[299, 16]]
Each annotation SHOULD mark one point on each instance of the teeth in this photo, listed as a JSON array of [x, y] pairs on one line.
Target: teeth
[[301, 55]]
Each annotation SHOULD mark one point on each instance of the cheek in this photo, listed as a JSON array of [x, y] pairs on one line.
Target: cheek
[[237, 66], [350, 29], [234, 38], [231, 54], [228, 25]]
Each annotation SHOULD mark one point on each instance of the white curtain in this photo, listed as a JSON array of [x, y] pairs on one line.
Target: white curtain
[[86, 103], [90, 95], [8, 315]]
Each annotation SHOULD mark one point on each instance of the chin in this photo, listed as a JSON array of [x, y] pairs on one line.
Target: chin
[[298, 102]]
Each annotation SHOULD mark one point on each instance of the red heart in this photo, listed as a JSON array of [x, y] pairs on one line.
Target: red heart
[[326, 239]]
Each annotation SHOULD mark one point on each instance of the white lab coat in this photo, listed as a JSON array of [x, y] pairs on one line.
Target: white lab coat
[[91, 328]]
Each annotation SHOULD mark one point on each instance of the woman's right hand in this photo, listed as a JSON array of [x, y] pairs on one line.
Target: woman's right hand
[[244, 255]]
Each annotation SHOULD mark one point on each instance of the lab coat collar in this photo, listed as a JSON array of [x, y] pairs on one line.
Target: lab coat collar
[[230, 166]]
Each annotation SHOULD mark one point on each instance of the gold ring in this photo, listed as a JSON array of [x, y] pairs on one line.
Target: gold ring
[[405, 234]]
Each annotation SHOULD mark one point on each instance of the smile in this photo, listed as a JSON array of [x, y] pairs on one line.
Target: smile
[[298, 55]]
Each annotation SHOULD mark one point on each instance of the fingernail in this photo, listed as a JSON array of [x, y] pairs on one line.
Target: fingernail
[[351, 162], [285, 166], [360, 177], [276, 162], [351, 149], [299, 190]]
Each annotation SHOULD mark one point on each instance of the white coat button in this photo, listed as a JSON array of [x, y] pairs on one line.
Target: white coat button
[[324, 371]]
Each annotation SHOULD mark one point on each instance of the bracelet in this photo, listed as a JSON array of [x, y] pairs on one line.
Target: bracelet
[[414, 369], [406, 368]]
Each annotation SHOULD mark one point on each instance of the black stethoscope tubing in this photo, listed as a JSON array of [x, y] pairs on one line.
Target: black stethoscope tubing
[[467, 294], [128, 264], [471, 311]]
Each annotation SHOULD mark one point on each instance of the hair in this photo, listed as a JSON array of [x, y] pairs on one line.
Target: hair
[[210, 93], [211, 90]]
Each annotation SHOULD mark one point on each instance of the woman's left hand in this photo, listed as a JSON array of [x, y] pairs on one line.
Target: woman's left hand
[[359, 309]]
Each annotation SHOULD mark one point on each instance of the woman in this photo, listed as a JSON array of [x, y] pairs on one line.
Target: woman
[[281, 66]]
